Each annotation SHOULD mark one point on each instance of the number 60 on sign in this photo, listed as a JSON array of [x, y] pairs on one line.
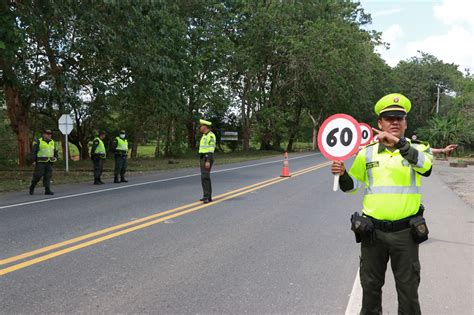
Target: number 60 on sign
[[339, 138]]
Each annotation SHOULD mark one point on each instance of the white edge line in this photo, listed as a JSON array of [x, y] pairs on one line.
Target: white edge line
[[145, 183], [355, 300]]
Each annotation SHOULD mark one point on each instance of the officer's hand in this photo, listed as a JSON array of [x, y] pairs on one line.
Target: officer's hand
[[450, 148], [338, 167], [207, 165], [34, 163], [386, 138]]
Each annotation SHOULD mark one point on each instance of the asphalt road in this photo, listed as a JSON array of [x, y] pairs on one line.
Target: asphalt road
[[265, 245]]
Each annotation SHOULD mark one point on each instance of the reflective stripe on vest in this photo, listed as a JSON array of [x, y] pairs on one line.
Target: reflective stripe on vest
[[45, 150], [100, 149], [122, 145], [392, 189], [207, 143]]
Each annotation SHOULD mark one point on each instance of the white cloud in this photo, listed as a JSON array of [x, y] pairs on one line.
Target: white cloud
[[392, 34], [456, 46], [455, 12], [386, 12]]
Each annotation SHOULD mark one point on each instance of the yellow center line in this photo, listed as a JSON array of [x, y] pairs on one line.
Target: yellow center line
[[120, 226], [230, 195]]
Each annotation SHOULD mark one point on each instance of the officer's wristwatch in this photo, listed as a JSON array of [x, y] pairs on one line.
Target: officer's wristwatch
[[401, 143]]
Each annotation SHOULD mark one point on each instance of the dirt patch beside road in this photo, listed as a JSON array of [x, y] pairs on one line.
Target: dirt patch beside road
[[459, 179]]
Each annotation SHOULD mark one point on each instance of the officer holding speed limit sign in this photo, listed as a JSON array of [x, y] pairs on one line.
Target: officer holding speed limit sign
[[391, 224]]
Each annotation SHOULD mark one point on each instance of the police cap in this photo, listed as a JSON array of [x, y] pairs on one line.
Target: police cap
[[204, 122], [394, 104]]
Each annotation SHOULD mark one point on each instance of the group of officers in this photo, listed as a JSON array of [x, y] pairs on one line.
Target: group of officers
[[45, 153], [391, 224]]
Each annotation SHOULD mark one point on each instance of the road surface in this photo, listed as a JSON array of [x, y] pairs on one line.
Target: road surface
[[265, 245]]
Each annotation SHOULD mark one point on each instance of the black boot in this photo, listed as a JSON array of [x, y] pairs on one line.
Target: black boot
[[116, 181], [96, 182], [48, 192], [123, 180], [32, 189]]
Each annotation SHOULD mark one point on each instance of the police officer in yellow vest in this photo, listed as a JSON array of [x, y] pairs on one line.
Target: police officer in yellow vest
[[121, 152], [44, 155], [207, 147], [391, 225], [98, 156]]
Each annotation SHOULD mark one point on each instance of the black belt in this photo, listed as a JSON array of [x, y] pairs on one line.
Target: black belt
[[391, 226], [394, 226]]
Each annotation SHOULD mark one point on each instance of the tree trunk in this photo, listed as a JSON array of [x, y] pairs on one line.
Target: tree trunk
[[316, 122], [18, 113], [158, 143], [191, 130], [294, 130], [136, 140], [245, 116]]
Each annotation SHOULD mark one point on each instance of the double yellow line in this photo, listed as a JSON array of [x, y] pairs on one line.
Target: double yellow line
[[57, 249]]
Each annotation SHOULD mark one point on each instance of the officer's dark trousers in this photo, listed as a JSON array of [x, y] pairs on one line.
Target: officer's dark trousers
[[403, 253], [43, 170], [98, 167], [120, 165], [206, 178]]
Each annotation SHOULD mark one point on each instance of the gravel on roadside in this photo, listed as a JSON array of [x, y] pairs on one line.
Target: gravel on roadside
[[459, 179]]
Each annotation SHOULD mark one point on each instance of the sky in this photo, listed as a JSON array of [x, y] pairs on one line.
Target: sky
[[443, 28]]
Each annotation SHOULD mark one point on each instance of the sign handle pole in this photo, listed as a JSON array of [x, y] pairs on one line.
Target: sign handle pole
[[335, 186], [67, 154]]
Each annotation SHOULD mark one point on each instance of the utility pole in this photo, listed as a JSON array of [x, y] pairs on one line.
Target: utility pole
[[437, 100]]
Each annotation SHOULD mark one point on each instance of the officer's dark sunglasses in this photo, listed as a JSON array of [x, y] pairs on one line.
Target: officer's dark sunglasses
[[393, 118]]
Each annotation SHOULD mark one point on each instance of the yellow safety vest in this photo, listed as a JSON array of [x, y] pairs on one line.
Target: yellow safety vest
[[208, 143], [392, 185], [100, 149], [45, 150], [122, 145]]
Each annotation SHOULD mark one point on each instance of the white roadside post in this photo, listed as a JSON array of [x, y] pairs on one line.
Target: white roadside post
[[65, 124]]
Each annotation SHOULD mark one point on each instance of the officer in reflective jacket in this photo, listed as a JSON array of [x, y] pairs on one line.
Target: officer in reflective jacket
[[207, 147], [44, 155], [98, 156], [391, 225], [121, 151]]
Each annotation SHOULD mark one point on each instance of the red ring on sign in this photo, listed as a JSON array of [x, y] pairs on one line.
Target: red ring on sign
[[371, 135], [320, 135]]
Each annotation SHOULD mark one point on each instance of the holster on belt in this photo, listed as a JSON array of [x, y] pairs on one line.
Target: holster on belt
[[419, 229], [362, 227]]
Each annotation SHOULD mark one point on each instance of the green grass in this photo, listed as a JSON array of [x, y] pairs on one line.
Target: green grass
[[15, 178]]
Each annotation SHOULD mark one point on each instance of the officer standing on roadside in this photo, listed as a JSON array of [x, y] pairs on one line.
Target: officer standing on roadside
[[44, 155], [207, 147], [391, 225], [98, 156], [121, 151]]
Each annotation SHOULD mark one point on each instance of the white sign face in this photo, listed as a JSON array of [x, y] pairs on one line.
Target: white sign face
[[65, 124], [339, 137], [230, 136], [366, 134]]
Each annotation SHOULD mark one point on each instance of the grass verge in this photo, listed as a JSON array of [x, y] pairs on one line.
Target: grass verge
[[16, 178]]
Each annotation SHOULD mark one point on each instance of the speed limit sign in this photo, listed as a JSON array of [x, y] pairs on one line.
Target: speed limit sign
[[339, 138], [366, 133]]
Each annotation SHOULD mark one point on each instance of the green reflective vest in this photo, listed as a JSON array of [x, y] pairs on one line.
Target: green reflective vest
[[122, 144], [45, 151], [392, 184], [208, 143], [100, 149]]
